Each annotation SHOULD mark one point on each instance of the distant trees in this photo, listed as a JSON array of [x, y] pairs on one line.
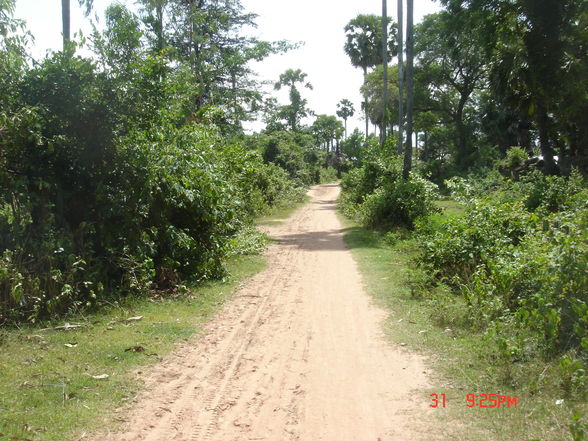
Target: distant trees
[[297, 108], [345, 110], [538, 69], [327, 130], [363, 45], [372, 88], [488, 75]]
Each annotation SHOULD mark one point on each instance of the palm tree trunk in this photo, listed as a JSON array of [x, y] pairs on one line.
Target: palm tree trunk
[[66, 20], [546, 149], [365, 103], [399, 147], [385, 63], [410, 88]]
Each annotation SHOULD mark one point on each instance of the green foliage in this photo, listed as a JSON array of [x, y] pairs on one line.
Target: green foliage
[[518, 255], [113, 183], [377, 195], [364, 40], [292, 151]]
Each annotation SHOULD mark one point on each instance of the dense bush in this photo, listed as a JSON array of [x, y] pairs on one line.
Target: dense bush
[[378, 196], [108, 188], [293, 152], [519, 254]]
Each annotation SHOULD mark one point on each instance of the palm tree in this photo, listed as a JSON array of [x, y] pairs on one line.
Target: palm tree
[[66, 17], [345, 110], [409, 87], [385, 63], [400, 78], [362, 46], [297, 108]]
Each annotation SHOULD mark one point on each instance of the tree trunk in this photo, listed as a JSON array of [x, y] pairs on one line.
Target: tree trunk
[[409, 88], [365, 103], [338, 159], [159, 30], [385, 66], [462, 150], [399, 144], [66, 20], [425, 155], [546, 149]]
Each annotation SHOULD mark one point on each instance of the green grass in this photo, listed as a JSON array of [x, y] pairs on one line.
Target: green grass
[[280, 213], [46, 387], [460, 357], [450, 207]]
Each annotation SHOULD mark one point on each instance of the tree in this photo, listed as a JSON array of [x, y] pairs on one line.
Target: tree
[[363, 45], [326, 130], [385, 70], [153, 13], [399, 148], [66, 17], [409, 89], [539, 66], [297, 109], [372, 88], [452, 56], [345, 110]]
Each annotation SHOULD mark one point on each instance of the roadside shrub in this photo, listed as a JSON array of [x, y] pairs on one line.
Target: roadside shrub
[[378, 196], [553, 193], [523, 263], [399, 203], [485, 231]]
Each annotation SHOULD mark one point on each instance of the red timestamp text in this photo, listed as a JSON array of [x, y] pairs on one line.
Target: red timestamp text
[[491, 400], [482, 400]]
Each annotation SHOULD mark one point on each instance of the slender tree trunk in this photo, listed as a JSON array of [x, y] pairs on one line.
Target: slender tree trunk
[[345, 127], [425, 147], [462, 151], [159, 30], [66, 21], [399, 147], [409, 87], [338, 150], [385, 63], [365, 103], [546, 149]]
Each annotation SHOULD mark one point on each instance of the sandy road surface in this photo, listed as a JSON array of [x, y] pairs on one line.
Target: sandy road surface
[[298, 355]]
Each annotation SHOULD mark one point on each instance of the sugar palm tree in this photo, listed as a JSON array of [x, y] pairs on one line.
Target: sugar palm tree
[[66, 17]]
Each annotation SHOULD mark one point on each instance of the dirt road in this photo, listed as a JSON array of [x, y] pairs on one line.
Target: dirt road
[[298, 355]]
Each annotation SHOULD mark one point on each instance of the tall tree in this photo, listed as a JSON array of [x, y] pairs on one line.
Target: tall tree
[[373, 89], [297, 109], [153, 16], [345, 110], [409, 87], [545, 43], [451, 53], [66, 17], [363, 45], [399, 145], [385, 70]]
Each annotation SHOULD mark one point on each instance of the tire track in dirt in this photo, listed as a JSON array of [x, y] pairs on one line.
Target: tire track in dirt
[[297, 355]]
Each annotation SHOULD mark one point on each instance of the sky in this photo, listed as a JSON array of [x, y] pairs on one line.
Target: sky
[[317, 23]]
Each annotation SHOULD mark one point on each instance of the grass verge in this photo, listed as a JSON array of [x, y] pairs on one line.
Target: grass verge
[[279, 214], [54, 384], [462, 358]]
